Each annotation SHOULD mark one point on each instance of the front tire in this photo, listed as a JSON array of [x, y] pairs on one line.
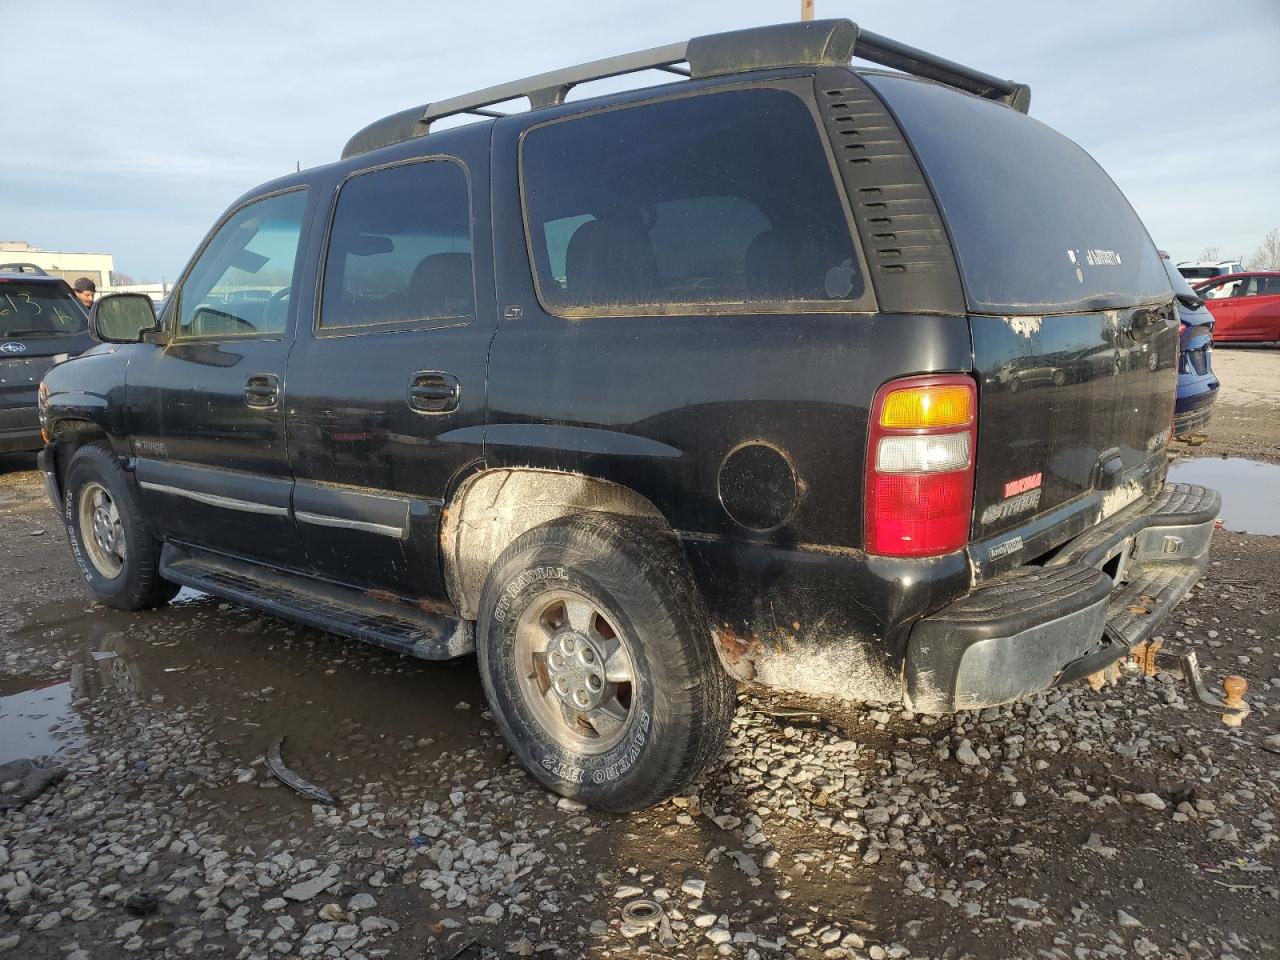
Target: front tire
[[110, 539], [597, 661]]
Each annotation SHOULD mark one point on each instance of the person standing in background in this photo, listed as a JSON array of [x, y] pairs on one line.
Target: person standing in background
[[85, 290]]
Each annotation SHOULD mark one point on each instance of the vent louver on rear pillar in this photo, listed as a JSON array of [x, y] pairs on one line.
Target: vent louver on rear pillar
[[903, 238]]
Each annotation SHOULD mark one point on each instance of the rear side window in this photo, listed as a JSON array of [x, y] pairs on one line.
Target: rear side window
[[1038, 227], [38, 310], [720, 202], [400, 248]]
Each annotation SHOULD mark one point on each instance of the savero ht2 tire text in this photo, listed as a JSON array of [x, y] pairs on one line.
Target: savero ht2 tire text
[[597, 661]]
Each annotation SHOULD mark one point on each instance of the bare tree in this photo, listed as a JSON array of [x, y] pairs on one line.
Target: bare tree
[[1211, 253], [1267, 256]]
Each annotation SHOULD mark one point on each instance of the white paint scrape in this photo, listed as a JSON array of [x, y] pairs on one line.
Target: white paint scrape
[[1025, 326], [1120, 497]]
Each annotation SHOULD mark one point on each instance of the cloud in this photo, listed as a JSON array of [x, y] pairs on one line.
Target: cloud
[[156, 115]]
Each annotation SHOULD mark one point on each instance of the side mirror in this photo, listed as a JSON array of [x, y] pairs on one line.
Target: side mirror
[[123, 318]]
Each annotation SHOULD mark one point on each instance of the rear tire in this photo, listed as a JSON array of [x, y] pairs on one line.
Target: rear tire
[[110, 539], [597, 661]]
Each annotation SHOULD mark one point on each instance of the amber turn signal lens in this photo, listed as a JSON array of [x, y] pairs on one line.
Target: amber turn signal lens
[[941, 405]]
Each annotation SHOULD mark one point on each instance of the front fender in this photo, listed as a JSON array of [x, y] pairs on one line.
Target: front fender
[[86, 395]]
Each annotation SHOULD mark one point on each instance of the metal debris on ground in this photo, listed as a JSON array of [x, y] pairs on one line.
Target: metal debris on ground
[[275, 763]]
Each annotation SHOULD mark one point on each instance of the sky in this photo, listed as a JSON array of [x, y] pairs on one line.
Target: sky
[[135, 131]]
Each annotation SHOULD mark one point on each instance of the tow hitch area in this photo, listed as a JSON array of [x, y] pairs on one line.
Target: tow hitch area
[[1142, 660]]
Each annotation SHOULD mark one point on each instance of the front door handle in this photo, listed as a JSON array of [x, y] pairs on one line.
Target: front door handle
[[262, 391], [431, 391]]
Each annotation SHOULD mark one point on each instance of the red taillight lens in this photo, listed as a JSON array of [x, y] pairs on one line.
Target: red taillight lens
[[919, 484]]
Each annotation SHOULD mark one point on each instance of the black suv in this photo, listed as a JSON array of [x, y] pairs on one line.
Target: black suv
[[41, 323], [640, 395]]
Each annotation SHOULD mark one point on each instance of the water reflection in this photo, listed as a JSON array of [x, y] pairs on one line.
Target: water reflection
[[1250, 490]]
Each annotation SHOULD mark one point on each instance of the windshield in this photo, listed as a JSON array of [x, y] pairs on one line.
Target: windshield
[[38, 310], [1037, 225]]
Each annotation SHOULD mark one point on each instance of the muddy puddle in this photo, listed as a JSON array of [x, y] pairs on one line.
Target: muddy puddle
[[1250, 490], [352, 714], [37, 721]]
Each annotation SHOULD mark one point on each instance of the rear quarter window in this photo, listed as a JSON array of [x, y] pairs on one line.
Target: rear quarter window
[[1037, 225], [712, 203]]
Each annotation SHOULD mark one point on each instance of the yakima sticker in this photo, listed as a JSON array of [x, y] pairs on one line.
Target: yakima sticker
[[1096, 258], [1022, 484]]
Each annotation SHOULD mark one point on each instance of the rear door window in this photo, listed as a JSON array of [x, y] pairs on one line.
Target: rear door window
[[719, 202], [1037, 225], [400, 249]]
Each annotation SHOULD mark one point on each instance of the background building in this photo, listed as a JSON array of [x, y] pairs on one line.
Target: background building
[[98, 267]]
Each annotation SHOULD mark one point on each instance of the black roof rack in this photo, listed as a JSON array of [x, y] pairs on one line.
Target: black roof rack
[[22, 268], [805, 43]]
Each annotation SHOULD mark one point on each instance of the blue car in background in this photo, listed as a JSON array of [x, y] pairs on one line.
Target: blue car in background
[[1197, 385]]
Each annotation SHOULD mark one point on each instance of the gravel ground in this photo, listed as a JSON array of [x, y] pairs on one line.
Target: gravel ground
[[1127, 822]]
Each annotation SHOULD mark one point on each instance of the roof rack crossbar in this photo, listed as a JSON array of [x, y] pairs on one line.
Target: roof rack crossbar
[[806, 43], [899, 56]]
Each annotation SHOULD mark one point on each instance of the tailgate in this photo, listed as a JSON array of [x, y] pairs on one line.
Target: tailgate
[[1071, 313], [1074, 415]]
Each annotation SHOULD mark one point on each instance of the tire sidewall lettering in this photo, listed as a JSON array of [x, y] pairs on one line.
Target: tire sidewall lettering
[[610, 767], [73, 534], [519, 583]]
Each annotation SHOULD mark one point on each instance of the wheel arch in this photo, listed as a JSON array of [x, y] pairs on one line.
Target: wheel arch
[[66, 436], [492, 508]]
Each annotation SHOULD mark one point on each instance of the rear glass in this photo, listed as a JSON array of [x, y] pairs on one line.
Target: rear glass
[[712, 203], [1037, 225], [1178, 281], [38, 310], [1200, 273]]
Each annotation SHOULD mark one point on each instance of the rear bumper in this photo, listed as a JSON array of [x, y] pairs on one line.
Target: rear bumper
[[1192, 413], [1038, 627]]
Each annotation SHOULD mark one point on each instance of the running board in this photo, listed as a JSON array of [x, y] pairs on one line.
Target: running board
[[342, 610]]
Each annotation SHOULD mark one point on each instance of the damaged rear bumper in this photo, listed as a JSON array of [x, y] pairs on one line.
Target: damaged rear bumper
[[1037, 627]]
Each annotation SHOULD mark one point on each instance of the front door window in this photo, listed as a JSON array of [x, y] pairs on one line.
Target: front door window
[[240, 285]]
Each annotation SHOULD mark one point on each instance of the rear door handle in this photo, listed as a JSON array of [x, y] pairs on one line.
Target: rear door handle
[[262, 391], [431, 391]]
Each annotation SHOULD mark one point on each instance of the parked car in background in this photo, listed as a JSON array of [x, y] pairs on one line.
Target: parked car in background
[[41, 323], [1199, 270], [1246, 306], [1197, 384]]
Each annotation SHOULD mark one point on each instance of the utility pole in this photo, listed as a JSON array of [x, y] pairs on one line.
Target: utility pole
[[806, 9]]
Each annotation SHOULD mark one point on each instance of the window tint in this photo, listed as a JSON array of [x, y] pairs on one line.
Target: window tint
[[719, 201], [240, 285], [1036, 223], [38, 310], [400, 248]]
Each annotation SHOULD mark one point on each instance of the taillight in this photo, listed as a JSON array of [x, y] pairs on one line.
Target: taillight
[[919, 487]]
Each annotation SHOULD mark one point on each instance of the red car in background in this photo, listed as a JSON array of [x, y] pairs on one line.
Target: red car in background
[[1246, 306]]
